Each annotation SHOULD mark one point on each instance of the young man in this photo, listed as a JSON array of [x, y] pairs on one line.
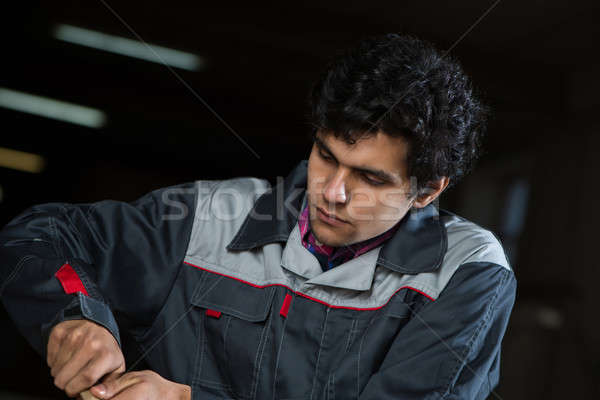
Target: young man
[[344, 281]]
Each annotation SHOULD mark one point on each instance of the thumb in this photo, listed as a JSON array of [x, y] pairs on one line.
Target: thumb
[[113, 384]]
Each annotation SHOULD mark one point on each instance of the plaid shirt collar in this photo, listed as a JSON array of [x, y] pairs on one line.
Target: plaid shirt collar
[[331, 257]]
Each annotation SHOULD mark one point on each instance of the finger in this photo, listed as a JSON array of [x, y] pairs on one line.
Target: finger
[[62, 358], [111, 387], [114, 374], [72, 369], [54, 341], [92, 372], [68, 346], [52, 351], [106, 366]]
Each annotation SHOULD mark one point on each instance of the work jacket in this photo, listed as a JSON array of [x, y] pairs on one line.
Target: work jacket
[[212, 282]]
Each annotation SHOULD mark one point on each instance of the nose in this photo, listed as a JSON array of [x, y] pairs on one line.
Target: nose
[[335, 190]]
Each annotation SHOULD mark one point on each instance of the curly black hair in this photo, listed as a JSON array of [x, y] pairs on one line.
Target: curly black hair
[[403, 86]]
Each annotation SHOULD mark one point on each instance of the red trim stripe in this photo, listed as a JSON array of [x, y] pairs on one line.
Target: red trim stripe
[[69, 280], [308, 297], [213, 313], [285, 308]]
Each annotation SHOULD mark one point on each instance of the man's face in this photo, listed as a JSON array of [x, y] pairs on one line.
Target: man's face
[[364, 185]]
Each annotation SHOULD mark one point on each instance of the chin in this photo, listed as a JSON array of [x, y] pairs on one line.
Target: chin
[[328, 236]]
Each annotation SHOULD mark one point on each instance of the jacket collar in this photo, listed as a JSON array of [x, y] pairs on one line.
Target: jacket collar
[[418, 245]]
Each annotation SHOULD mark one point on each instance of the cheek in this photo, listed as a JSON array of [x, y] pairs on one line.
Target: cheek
[[363, 206], [377, 207], [393, 199], [393, 205]]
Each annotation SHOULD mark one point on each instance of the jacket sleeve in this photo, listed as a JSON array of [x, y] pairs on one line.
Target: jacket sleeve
[[450, 349], [107, 261]]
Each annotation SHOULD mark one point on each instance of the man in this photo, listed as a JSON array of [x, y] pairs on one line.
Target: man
[[344, 281]]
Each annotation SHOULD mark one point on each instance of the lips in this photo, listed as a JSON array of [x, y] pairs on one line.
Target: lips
[[331, 215]]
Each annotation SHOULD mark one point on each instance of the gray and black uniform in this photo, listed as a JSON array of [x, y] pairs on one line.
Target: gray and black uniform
[[212, 281]]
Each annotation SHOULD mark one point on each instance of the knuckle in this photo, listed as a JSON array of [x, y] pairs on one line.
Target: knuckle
[[74, 335], [58, 332], [96, 345], [100, 352], [87, 377], [93, 373], [84, 380], [68, 341]]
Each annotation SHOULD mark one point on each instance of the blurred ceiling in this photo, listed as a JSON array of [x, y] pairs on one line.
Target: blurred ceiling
[[260, 61]]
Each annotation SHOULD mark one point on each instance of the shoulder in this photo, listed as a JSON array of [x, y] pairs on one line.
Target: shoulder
[[221, 208], [475, 263], [229, 199], [469, 242], [474, 257]]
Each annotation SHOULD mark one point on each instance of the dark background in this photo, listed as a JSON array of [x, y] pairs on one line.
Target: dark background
[[536, 63]]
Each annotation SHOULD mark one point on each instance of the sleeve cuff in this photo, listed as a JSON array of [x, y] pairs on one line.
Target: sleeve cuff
[[83, 307]]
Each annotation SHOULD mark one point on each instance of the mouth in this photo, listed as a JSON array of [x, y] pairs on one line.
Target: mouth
[[330, 218]]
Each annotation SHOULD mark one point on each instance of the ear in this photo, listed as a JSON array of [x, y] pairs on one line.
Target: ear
[[433, 190]]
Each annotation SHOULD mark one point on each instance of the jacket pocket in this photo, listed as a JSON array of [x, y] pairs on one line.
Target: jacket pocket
[[233, 329]]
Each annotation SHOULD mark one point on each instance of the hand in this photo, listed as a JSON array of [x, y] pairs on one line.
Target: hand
[[80, 352], [147, 385]]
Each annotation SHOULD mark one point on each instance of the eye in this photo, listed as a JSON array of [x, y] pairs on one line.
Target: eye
[[372, 182], [325, 156]]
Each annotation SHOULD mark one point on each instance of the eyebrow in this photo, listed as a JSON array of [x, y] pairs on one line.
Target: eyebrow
[[375, 172]]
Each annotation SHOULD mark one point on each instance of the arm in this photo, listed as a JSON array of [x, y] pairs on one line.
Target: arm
[[119, 261], [451, 348]]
